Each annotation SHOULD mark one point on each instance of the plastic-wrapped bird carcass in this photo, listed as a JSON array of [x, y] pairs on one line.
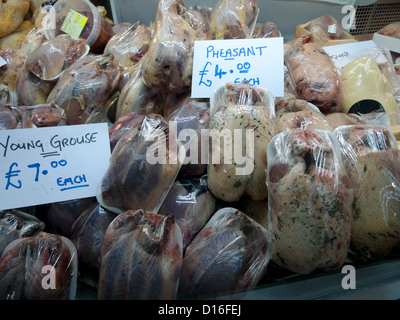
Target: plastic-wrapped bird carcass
[[46, 115], [55, 55], [372, 160], [7, 96], [137, 97], [9, 71], [292, 113], [30, 89], [143, 166], [41, 267], [14, 118], [241, 126], [229, 255], [313, 74], [233, 19], [85, 87], [141, 257], [191, 204], [16, 224], [168, 63], [190, 118], [309, 200], [129, 46], [88, 231]]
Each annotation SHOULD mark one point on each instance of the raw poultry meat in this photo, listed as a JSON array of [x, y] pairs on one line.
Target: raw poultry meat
[[313, 74], [292, 113], [34, 38], [7, 96], [53, 56], [266, 30], [391, 30], [239, 108], [143, 167], [232, 19], [141, 258], [129, 121], [338, 119], [168, 63], [309, 200], [46, 115], [32, 90], [372, 159], [14, 118], [16, 224], [191, 204], [9, 72], [60, 216], [137, 97], [22, 263], [194, 115], [86, 86], [88, 231], [129, 46], [325, 28], [230, 254]]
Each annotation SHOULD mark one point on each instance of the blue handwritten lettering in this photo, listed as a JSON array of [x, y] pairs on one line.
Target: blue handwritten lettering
[[11, 174], [203, 73]]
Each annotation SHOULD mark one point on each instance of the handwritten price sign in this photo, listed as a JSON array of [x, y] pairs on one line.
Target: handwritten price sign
[[45, 165], [257, 61]]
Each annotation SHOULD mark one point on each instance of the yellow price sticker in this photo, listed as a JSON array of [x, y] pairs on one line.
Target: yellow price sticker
[[74, 23]]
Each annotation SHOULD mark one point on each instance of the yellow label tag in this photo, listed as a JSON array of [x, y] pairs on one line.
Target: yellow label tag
[[74, 23]]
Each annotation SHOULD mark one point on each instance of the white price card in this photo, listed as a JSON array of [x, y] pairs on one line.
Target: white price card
[[341, 53], [46, 165], [258, 61]]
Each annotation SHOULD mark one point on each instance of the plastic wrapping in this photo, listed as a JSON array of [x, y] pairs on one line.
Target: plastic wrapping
[[292, 113], [243, 117], [16, 224], [372, 160], [12, 15], [130, 45], [194, 115], [137, 97], [7, 96], [338, 119], [42, 267], [88, 231], [53, 56], [106, 112], [46, 115], [168, 64], [309, 201], [313, 74], [32, 90], [229, 255], [9, 72], [129, 121], [32, 41], [143, 166], [233, 19], [325, 28], [366, 89], [141, 258], [266, 30], [191, 204], [60, 216], [14, 118], [97, 31], [122, 26], [86, 86]]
